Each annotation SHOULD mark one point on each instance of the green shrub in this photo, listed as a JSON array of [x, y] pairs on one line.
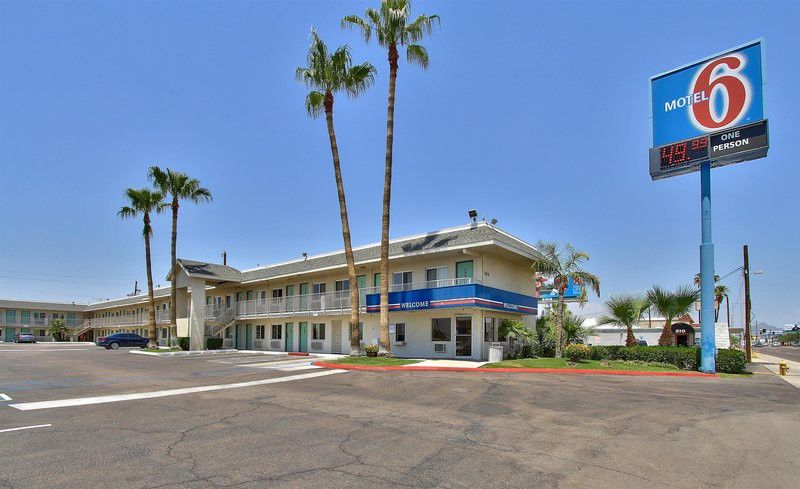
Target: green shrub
[[577, 353], [371, 350], [606, 352], [681, 357], [214, 343], [730, 361], [183, 342]]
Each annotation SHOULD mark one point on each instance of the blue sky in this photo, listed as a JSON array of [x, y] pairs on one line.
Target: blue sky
[[534, 113]]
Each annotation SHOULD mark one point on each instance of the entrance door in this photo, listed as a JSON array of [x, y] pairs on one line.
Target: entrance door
[[289, 337], [10, 335], [336, 339], [248, 337], [464, 337], [303, 297], [240, 336], [303, 337]]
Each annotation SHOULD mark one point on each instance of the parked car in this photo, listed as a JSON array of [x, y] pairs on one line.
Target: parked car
[[25, 338], [776, 343], [116, 340], [641, 342]]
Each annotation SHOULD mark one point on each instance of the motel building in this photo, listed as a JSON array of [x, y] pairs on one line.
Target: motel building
[[449, 292]]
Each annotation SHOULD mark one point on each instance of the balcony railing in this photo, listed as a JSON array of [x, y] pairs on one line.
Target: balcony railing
[[32, 322], [336, 302], [162, 316]]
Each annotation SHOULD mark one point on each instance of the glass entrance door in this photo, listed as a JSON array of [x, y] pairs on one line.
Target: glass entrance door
[[464, 337]]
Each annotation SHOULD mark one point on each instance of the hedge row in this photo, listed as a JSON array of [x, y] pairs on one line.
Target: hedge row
[[728, 360]]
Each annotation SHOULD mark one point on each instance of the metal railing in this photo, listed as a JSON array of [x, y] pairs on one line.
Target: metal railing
[[27, 323], [336, 302], [162, 316]]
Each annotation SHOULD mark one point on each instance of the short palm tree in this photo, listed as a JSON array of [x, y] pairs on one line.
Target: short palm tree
[[698, 280], [326, 74], [145, 202], [179, 186], [574, 329], [625, 310], [720, 294], [393, 27], [563, 264], [671, 304]]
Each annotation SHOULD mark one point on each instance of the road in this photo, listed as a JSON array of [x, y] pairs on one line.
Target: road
[[786, 352], [383, 429]]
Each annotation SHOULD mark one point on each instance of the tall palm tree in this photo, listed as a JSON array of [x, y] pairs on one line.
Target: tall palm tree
[[563, 264], [179, 186], [326, 74], [625, 310], [392, 26], [671, 304], [145, 202], [720, 294]]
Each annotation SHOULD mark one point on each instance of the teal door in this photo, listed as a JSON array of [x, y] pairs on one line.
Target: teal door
[[248, 335], [11, 316], [303, 337], [10, 335], [240, 336], [303, 297], [289, 337]]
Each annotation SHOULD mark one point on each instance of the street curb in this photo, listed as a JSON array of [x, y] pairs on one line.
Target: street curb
[[577, 371]]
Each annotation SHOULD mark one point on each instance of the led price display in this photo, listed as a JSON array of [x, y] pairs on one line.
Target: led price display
[[679, 154]]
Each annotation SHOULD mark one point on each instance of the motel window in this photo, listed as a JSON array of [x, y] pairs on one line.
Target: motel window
[[341, 285], [376, 280], [277, 293], [435, 276], [440, 329], [400, 332], [229, 332], [318, 288], [318, 331], [401, 281], [260, 330], [42, 332], [289, 290], [163, 332], [208, 300], [500, 337], [263, 295], [276, 332], [249, 295], [464, 269], [488, 329], [238, 297]]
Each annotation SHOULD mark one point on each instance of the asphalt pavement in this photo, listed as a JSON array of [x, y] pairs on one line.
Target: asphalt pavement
[[787, 352], [383, 429]]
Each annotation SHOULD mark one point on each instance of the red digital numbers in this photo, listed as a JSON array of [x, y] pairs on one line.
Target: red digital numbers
[[684, 152]]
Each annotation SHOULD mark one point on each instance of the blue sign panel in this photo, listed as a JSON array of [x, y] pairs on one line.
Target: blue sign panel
[[472, 295], [708, 96], [573, 291]]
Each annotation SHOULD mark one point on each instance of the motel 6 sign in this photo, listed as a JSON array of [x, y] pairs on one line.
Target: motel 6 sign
[[709, 110]]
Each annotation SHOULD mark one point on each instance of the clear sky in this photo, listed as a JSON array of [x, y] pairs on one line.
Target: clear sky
[[534, 113]]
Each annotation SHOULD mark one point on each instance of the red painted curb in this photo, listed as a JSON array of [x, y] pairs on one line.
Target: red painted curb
[[297, 354], [578, 371]]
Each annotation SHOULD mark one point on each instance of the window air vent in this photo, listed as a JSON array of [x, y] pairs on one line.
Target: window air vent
[[440, 347]]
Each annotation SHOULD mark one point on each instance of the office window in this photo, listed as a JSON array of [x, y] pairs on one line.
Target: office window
[[401, 281], [276, 332], [464, 269], [436, 276], [318, 288], [500, 337], [440, 329], [318, 331], [400, 332], [260, 330], [488, 329]]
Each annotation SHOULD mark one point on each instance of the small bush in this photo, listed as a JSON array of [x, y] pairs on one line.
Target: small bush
[[183, 342], [577, 353], [371, 350], [730, 361], [214, 343], [681, 357]]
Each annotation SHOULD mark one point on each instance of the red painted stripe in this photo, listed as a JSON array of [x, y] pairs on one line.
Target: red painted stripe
[[297, 354], [632, 373]]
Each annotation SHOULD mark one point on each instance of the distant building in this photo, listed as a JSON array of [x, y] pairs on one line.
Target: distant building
[[685, 332]]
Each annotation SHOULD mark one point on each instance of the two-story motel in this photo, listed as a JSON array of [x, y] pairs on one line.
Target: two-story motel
[[449, 292]]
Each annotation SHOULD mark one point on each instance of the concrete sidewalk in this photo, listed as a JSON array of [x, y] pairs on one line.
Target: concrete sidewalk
[[771, 363]]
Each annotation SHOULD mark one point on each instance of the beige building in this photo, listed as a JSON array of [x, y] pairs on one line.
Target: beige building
[[449, 292]]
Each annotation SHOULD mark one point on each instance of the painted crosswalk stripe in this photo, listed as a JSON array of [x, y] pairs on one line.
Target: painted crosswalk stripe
[[4, 397], [83, 401], [25, 428]]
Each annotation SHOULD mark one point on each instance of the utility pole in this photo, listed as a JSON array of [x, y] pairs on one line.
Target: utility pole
[[746, 271]]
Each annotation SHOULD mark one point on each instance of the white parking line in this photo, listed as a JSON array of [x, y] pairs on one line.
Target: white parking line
[[82, 401], [25, 428], [4, 397]]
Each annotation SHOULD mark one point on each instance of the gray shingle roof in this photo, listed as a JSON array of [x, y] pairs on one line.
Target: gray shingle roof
[[210, 271], [126, 301], [456, 237], [41, 305]]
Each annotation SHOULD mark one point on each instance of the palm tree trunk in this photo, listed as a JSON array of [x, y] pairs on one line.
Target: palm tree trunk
[[153, 343], [384, 345], [559, 322], [630, 340], [173, 293], [355, 345], [666, 334]]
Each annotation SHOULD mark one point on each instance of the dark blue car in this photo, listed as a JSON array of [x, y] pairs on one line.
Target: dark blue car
[[116, 340]]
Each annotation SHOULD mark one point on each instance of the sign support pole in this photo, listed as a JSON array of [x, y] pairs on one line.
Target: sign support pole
[[708, 340]]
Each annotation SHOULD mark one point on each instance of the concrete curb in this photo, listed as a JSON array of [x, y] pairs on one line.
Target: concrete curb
[[578, 371]]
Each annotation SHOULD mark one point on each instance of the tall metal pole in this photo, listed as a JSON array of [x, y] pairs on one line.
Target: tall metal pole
[[708, 340], [746, 271]]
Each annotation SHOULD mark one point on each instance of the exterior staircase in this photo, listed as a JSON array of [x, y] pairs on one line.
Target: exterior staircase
[[81, 328], [221, 320]]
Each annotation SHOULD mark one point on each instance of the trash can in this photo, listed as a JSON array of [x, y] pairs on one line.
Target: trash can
[[496, 352]]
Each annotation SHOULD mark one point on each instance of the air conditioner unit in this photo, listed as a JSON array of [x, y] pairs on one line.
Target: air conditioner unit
[[440, 347], [275, 344], [316, 345]]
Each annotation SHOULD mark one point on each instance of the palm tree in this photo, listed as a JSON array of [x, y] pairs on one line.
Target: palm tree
[[145, 202], [625, 310], [179, 186], [697, 279], [325, 75], [671, 304], [563, 264], [720, 293], [574, 329], [391, 26]]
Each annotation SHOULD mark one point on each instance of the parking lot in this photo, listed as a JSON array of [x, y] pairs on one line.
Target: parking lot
[[256, 426]]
